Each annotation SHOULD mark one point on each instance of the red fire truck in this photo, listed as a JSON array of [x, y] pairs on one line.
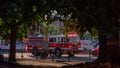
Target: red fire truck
[[57, 45]]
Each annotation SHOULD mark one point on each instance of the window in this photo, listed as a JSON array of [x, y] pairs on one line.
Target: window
[[54, 39], [58, 39], [62, 39], [50, 39]]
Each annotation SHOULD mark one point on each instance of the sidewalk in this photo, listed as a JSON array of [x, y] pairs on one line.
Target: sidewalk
[[46, 63]]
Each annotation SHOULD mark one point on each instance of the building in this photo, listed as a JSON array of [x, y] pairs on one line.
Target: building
[[60, 26]]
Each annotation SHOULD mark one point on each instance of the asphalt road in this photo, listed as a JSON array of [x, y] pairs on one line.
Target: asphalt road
[[83, 56]]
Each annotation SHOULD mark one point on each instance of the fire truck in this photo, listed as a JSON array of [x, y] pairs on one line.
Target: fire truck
[[57, 44]]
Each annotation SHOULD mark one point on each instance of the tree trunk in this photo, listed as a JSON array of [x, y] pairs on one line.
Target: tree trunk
[[12, 54], [102, 48], [109, 46], [45, 47]]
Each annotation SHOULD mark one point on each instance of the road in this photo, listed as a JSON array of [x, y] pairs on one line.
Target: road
[[83, 56]]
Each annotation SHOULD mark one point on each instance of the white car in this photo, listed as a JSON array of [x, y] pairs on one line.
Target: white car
[[19, 45], [87, 44]]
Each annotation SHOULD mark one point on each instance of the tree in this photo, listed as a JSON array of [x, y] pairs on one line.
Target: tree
[[16, 14], [71, 23], [52, 29], [104, 16]]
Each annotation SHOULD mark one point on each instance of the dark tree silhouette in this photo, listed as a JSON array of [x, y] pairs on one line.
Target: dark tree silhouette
[[104, 15]]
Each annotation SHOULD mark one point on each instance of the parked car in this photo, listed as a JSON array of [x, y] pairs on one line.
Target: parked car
[[95, 51], [87, 45]]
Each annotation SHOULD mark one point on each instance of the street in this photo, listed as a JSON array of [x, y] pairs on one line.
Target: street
[[83, 56], [27, 59]]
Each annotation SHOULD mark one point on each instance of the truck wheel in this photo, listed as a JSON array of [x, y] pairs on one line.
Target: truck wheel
[[71, 54], [35, 51], [57, 52], [50, 53]]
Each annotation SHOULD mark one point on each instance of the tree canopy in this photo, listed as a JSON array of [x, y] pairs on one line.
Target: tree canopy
[[104, 16], [100, 14], [17, 15]]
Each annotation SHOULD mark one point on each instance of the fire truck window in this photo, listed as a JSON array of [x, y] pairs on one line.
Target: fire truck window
[[67, 39], [51, 40], [58, 39], [62, 39], [54, 39]]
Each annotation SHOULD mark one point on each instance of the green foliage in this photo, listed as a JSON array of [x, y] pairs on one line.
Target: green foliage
[[55, 4], [94, 32], [1, 21], [71, 23], [21, 32], [98, 14], [16, 16], [17, 13], [52, 29]]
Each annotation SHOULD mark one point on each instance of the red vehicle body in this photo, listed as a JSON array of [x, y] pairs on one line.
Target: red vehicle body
[[58, 45], [95, 52]]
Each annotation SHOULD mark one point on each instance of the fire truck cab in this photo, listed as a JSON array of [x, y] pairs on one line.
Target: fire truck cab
[[63, 45]]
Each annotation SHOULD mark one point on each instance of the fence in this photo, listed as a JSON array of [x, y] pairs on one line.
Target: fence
[[23, 55]]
